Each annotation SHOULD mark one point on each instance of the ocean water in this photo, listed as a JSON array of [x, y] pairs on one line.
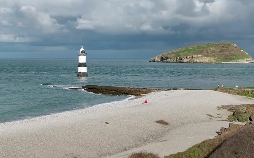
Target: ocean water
[[33, 87]]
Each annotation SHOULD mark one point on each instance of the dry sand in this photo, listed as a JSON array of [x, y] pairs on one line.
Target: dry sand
[[121, 128]]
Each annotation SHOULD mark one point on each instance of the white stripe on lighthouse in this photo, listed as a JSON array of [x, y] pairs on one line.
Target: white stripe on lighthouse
[[82, 59], [82, 69]]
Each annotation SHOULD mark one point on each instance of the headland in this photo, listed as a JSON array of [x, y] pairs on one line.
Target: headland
[[221, 52]]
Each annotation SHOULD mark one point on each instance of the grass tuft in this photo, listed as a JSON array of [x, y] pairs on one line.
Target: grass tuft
[[143, 154], [209, 115]]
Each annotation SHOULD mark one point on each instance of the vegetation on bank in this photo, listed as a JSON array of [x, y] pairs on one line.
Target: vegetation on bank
[[205, 53], [143, 154], [190, 50], [225, 145], [248, 92]]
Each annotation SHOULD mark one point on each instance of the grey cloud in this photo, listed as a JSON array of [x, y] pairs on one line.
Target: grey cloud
[[185, 7], [25, 24], [207, 1], [123, 25], [246, 1], [40, 20]]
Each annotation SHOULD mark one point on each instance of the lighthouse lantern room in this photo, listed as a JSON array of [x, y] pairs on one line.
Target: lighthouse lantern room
[[82, 68]]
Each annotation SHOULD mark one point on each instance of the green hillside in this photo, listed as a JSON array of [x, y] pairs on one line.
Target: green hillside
[[205, 53]]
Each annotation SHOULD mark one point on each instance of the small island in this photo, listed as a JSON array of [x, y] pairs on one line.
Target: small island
[[222, 52]]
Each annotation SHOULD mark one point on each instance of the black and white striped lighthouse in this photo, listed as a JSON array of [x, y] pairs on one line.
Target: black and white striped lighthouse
[[82, 68]]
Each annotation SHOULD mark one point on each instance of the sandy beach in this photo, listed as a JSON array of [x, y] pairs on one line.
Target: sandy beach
[[120, 128]]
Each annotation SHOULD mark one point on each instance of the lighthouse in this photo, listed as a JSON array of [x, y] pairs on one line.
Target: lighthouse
[[82, 68]]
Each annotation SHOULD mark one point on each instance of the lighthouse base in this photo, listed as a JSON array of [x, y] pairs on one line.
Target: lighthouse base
[[82, 74]]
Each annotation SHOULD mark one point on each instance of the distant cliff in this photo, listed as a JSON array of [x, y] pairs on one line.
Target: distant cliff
[[205, 53]]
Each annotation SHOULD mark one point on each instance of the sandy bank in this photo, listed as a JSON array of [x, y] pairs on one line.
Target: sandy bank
[[120, 128]]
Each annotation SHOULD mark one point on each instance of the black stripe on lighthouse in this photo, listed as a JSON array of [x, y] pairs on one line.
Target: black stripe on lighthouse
[[82, 65]]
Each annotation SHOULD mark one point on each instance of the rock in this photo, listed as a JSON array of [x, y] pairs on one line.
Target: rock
[[251, 118], [237, 115], [232, 127], [222, 130], [241, 116], [112, 90], [74, 88], [241, 113], [238, 108]]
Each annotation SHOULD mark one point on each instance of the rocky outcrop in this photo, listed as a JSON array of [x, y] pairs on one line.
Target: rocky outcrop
[[112, 90], [183, 59], [205, 53], [241, 113]]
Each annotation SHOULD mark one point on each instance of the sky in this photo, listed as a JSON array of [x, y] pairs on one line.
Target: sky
[[120, 28]]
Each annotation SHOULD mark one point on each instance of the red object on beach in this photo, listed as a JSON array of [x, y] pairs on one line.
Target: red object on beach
[[145, 101]]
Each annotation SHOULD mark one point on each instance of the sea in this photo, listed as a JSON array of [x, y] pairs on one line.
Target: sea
[[37, 87]]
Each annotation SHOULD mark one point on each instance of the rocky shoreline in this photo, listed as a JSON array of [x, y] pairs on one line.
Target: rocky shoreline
[[113, 90]]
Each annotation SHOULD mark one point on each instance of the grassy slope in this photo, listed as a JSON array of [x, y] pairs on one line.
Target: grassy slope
[[219, 146], [221, 52]]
